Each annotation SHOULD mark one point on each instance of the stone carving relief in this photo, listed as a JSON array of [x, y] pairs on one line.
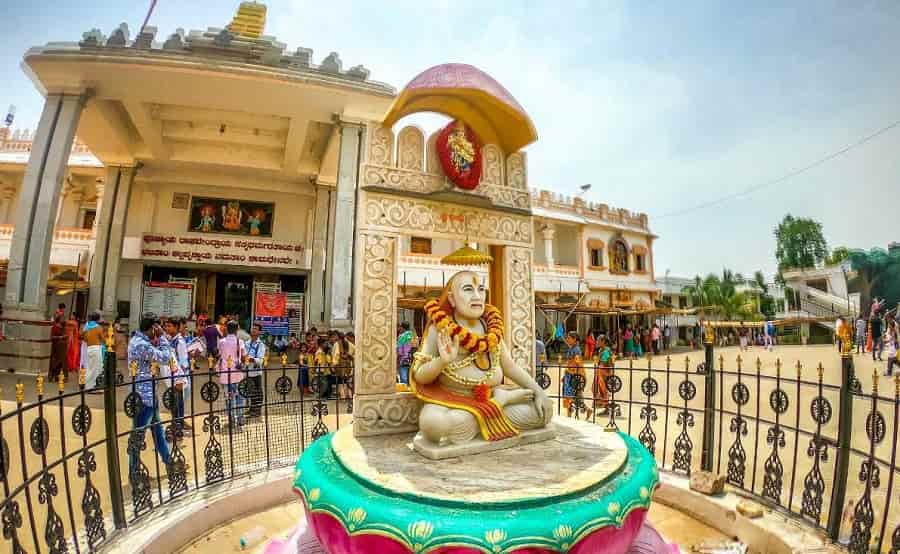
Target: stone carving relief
[[515, 171], [506, 196], [119, 37], [431, 218], [411, 181], [411, 149], [375, 363], [492, 165], [175, 40], [432, 161], [92, 38], [331, 63], [382, 414], [520, 306], [381, 146]]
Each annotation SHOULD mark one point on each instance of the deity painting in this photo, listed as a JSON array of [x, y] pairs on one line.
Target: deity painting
[[207, 219], [234, 217], [462, 152], [619, 257], [459, 151], [255, 220], [231, 216]]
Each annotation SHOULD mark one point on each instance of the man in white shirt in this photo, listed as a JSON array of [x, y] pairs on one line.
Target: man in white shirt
[[182, 370], [256, 355]]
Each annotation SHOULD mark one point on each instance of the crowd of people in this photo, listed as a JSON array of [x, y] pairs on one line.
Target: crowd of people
[[879, 333], [74, 346], [174, 349], [626, 342]]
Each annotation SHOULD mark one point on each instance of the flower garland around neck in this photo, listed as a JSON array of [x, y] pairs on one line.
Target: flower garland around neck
[[473, 342]]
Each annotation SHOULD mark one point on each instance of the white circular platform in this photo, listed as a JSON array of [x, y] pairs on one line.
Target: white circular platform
[[582, 455]]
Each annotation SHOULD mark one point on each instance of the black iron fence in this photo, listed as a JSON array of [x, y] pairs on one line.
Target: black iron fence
[[805, 441], [810, 442], [76, 466]]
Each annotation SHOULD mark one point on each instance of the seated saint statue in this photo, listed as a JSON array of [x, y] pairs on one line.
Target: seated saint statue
[[458, 371]]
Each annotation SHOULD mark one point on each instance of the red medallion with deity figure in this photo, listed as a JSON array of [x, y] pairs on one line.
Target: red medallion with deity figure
[[459, 150]]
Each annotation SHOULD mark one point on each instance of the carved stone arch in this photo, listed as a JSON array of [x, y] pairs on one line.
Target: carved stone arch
[[432, 161], [381, 146], [411, 149], [515, 171], [492, 165]]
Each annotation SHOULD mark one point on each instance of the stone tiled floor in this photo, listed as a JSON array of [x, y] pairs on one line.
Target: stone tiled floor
[[672, 524], [681, 529]]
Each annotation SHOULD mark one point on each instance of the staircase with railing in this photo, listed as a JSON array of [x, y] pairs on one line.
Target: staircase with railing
[[821, 304]]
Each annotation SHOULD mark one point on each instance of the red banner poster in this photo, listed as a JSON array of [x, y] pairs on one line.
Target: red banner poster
[[271, 304]]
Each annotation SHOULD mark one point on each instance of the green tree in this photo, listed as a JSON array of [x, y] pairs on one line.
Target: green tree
[[838, 255], [719, 296], [799, 243], [876, 274], [766, 300]]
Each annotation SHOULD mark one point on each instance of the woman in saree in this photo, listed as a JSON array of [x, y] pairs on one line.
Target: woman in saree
[[73, 345], [601, 372], [574, 368], [628, 337]]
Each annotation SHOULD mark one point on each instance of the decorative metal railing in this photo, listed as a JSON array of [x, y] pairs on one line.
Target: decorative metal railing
[[781, 435], [74, 470], [77, 465]]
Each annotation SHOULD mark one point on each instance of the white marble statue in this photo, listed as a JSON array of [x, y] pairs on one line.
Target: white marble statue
[[459, 370]]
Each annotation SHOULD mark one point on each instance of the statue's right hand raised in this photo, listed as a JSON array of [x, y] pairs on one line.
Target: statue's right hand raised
[[447, 347]]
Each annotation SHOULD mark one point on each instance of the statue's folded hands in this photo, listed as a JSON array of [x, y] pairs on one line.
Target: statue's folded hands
[[505, 397]]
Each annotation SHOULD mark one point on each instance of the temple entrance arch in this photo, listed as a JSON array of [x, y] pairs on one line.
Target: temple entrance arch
[[466, 183]]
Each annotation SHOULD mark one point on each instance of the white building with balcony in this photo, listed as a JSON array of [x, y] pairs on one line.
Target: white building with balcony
[[819, 292], [591, 263]]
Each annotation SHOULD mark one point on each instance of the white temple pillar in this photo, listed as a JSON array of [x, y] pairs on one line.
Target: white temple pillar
[[29, 257], [547, 233], [108, 243], [70, 207], [100, 188], [6, 196], [63, 195], [339, 268], [315, 291]]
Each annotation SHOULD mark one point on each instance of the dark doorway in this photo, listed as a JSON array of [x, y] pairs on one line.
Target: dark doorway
[[234, 295]]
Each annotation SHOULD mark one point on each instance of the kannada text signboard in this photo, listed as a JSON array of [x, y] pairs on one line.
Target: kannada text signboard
[[223, 251]]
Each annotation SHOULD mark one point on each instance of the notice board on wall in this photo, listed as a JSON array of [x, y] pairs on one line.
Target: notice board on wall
[[167, 299], [270, 312]]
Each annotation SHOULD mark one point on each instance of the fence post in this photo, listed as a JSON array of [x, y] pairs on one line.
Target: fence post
[[709, 398], [845, 424], [112, 436]]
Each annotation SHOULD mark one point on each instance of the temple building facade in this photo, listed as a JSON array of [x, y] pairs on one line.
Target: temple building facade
[[184, 193]]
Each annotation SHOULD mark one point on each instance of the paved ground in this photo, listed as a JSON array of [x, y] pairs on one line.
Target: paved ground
[[279, 522]]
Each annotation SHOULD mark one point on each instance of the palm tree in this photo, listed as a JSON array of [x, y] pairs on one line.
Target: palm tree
[[719, 296], [695, 293], [760, 281]]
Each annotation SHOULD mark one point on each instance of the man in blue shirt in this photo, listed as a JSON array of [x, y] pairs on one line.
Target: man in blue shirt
[[148, 347], [256, 355]]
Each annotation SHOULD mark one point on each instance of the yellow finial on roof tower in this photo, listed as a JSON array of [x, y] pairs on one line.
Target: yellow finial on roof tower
[[249, 21]]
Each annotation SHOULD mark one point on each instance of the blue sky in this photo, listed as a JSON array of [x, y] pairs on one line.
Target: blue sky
[[659, 105]]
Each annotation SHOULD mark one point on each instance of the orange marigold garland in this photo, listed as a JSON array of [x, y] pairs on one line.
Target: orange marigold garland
[[482, 392], [472, 342]]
